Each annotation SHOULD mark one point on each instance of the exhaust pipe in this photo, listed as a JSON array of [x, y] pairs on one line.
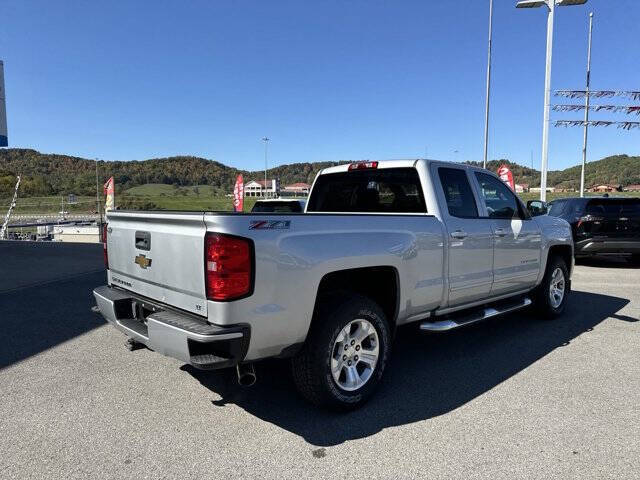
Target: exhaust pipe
[[246, 374]]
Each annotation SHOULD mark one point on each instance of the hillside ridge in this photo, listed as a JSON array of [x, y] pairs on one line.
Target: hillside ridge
[[50, 173]]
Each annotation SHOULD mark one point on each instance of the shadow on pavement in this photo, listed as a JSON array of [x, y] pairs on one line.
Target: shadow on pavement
[[45, 295], [428, 375]]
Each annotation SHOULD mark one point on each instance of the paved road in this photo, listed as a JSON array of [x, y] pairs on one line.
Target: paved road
[[512, 398]]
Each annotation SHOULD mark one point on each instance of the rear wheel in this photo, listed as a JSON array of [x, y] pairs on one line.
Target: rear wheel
[[345, 354], [551, 295]]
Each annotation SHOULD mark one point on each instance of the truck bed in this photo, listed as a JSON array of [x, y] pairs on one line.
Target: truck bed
[[159, 255]]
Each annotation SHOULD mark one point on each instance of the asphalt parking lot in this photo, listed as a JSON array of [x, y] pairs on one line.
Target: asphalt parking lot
[[515, 397]]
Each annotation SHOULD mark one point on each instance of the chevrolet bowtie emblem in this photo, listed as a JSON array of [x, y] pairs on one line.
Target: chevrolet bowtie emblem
[[143, 261]]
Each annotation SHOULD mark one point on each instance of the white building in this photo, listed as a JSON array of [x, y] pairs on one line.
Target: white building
[[256, 188], [537, 189], [76, 234]]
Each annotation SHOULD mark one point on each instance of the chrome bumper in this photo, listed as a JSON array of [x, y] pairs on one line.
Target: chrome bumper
[[185, 337]]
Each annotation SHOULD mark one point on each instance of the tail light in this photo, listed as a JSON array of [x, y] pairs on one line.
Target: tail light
[[104, 246], [228, 266], [589, 218], [363, 166]]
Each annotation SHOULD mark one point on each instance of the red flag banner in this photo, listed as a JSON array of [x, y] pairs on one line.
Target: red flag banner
[[238, 194], [506, 176], [109, 189]]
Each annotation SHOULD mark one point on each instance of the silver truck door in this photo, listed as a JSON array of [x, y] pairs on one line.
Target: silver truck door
[[517, 238], [469, 237]]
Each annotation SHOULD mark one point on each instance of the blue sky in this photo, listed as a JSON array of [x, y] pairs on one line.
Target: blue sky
[[325, 80]]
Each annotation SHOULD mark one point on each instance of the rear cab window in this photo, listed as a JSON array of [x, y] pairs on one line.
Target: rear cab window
[[386, 190], [627, 207], [284, 206]]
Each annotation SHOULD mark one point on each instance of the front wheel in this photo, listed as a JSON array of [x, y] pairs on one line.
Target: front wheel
[[551, 295], [345, 354]]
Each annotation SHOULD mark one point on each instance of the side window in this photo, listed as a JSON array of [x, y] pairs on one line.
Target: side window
[[458, 193], [499, 199]]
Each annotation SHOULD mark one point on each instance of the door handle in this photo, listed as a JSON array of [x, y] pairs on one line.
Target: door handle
[[500, 232], [459, 234]]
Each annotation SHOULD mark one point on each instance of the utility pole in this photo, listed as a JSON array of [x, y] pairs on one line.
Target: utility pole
[[586, 108], [266, 141], [486, 110]]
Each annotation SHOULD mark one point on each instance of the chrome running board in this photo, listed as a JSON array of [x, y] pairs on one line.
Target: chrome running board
[[475, 316]]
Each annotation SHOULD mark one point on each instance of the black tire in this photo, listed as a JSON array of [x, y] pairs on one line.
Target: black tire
[[542, 296], [312, 366], [635, 259]]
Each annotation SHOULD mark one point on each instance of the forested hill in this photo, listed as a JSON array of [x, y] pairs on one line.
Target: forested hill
[[48, 174]]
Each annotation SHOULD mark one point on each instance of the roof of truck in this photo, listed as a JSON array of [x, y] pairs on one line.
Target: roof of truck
[[381, 164], [403, 163]]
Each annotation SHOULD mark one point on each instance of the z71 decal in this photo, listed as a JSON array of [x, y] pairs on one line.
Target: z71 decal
[[269, 224]]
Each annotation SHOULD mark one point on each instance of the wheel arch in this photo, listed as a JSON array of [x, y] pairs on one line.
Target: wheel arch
[[381, 284], [565, 252]]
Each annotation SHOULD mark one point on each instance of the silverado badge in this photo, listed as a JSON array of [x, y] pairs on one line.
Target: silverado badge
[[143, 261]]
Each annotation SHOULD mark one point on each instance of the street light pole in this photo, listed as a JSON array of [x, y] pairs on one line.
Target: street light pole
[[266, 141], [586, 108], [551, 6], [99, 221], [547, 102], [486, 110]]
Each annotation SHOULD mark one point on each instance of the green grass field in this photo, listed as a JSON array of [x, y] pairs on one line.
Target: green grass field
[[169, 197]]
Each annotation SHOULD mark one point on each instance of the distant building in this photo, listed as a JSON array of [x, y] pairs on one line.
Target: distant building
[[522, 187], [537, 189], [76, 234], [297, 189], [256, 188], [632, 188], [604, 188]]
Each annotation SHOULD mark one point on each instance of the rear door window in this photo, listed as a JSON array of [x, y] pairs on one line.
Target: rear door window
[[457, 192], [386, 190]]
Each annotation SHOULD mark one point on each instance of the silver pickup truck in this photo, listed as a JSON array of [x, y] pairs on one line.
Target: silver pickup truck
[[380, 244]]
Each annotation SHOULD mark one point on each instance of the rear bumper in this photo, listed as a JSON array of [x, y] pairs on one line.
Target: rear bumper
[[178, 335], [593, 246]]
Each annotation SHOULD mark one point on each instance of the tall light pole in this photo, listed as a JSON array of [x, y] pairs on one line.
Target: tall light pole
[[551, 6], [99, 220], [266, 142], [586, 107], [486, 110]]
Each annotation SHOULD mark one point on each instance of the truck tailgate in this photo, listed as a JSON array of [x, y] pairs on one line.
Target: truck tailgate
[[159, 255]]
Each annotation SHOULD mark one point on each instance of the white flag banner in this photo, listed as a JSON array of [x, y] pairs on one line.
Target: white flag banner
[[628, 109], [597, 123], [632, 94]]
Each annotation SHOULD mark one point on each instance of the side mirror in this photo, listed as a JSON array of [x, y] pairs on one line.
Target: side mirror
[[537, 207]]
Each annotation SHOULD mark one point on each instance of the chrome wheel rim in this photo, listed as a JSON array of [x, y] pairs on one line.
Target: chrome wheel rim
[[557, 288], [355, 355]]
